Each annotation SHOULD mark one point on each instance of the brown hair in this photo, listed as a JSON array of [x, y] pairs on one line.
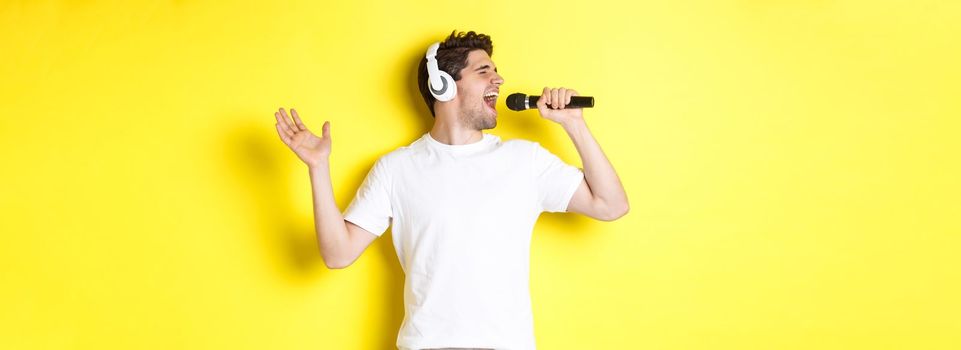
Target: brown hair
[[452, 58]]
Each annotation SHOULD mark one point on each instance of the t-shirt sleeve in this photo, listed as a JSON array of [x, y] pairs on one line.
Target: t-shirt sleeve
[[370, 209], [554, 179]]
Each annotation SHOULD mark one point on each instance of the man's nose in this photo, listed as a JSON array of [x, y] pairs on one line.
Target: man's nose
[[498, 79]]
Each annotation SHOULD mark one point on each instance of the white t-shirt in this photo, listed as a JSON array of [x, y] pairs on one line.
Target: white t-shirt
[[463, 216]]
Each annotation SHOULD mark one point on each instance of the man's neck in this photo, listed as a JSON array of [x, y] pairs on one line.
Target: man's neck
[[447, 130]]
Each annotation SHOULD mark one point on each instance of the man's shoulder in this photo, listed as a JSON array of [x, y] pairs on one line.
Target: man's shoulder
[[521, 145], [400, 153], [394, 155]]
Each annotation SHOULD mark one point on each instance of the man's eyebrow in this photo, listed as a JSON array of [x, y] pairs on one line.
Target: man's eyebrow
[[484, 66]]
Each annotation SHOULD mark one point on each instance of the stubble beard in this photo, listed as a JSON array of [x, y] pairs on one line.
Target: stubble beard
[[478, 119]]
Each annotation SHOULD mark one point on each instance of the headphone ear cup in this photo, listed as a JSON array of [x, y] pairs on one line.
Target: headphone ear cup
[[447, 90]]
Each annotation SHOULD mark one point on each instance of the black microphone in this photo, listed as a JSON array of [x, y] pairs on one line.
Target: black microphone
[[520, 102]]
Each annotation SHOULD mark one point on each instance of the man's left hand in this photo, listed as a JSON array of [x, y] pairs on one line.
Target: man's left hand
[[551, 105]]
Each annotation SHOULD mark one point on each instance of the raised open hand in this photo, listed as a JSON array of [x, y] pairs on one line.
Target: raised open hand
[[309, 148]]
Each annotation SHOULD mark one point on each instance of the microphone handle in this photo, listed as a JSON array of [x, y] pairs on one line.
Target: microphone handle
[[576, 102]]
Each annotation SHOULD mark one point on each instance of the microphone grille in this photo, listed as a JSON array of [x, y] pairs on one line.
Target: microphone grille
[[516, 101]]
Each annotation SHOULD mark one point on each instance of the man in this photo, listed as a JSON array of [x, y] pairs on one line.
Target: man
[[462, 204]]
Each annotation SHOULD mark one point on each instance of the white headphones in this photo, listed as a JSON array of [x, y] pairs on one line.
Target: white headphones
[[440, 84]]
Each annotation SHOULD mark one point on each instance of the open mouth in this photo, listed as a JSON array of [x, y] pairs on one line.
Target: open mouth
[[490, 99]]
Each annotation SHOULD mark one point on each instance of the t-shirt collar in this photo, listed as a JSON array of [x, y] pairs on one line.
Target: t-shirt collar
[[484, 142]]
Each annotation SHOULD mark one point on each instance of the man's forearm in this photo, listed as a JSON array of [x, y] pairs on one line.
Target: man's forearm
[[598, 171], [328, 221]]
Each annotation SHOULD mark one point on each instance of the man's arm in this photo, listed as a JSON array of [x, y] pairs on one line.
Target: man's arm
[[600, 195], [341, 242]]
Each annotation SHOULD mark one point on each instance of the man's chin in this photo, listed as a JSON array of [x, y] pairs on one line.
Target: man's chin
[[487, 124], [492, 124]]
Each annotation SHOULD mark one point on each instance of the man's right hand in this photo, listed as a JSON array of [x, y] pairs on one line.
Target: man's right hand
[[309, 148]]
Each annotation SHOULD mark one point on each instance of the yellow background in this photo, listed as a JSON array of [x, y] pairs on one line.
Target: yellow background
[[792, 168]]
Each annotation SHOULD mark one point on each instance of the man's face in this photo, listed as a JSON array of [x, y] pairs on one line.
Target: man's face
[[479, 79]]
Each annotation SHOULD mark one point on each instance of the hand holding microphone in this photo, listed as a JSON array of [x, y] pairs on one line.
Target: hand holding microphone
[[558, 104]]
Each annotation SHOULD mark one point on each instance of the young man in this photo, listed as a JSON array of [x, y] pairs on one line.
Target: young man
[[462, 204]]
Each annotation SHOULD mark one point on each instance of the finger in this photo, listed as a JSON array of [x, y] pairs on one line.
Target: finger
[[283, 135], [287, 123], [290, 124], [283, 124], [326, 129], [545, 95], [555, 102], [297, 121], [567, 96]]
